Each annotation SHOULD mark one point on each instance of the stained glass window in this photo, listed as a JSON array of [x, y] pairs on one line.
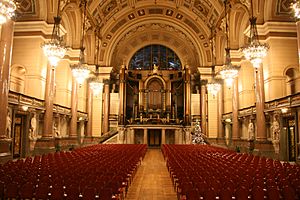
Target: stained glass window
[[146, 57]]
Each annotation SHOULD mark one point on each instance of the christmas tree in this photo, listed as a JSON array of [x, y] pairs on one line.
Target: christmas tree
[[198, 137]]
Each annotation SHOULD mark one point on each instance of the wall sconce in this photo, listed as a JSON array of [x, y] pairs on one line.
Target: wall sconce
[[24, 108], [284, 110]]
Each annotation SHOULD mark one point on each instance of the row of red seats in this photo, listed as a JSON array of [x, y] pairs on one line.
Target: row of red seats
[[208, 172], [93, 172]]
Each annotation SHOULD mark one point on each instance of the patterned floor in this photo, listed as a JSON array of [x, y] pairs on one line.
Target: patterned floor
[[152, 181]]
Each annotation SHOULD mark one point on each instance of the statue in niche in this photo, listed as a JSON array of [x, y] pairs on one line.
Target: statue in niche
[[33, 134], [251, 130], [275, 129], [276, 134], [55, 130], [8, 125]]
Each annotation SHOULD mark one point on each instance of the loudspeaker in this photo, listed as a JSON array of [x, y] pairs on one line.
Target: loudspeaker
[[139, 76], [171, 76]]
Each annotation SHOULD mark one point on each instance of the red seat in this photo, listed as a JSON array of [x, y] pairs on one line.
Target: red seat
[[105, 194], [242, 194], [89, 193], [288, 193], [26, 191], [11, 191], [57, 192], [226, 194], [257, 193], [72, 192], [273, 193], [41, 191]]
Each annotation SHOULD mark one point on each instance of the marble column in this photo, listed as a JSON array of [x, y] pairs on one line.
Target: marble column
[[74, 106], [298, 39], [235, 109], [49, 98], [106, 106], [89, 107], [141, 96], [6, 42], [122, 96], [298, 133], [260, 105], [220, 110], [169, 96], [203, 104], [163, 136], [187, 100], [145, 136]]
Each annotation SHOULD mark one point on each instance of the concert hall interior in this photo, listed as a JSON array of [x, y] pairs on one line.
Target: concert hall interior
[[139, 87]]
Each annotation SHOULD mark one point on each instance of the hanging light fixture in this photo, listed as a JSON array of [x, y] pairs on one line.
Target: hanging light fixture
[[296, 9], [55, 50], [81, 71], [7, 10], [229, 71], [255, 51], [214, 86], [96, 83]]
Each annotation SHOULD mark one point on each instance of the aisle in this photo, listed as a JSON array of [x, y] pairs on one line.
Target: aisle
[[152, 181]]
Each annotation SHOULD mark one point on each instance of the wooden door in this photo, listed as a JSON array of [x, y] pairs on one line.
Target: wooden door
[[154, 137], [18, 132]]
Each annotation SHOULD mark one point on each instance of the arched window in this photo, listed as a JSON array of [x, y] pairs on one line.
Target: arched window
[[17, 79], [161, 56], [290, 81]]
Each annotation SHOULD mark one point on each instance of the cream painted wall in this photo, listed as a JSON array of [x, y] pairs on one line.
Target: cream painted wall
[[227, 99], [246, 85], [283, 52], [97, 115], [82, 97], [27, 52], [114, 104], [63, 84], [195, 104], [212, 116]]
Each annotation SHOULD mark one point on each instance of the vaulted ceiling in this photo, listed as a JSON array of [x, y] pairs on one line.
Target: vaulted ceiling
[[182, 25]]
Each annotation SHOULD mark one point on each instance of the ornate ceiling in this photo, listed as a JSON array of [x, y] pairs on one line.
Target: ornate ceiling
[[182, 25]]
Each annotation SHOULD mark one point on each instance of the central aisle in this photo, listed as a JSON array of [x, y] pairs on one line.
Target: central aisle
[[152, 181]]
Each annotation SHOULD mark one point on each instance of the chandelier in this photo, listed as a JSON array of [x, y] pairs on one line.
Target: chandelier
[[81, 71], [296, 9], [255, 51], [96, 83], [229, 71], [7, 10], [55, 50], [214, 86]]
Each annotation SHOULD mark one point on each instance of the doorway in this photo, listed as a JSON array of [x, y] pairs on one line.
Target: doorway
[[289, 124], [19, 136], [154, 137]]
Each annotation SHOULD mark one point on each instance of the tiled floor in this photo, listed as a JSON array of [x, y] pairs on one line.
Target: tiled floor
[[152, 181]]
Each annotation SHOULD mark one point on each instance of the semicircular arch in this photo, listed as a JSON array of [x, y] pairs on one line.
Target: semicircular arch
[[17, 78], [162, 27]]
